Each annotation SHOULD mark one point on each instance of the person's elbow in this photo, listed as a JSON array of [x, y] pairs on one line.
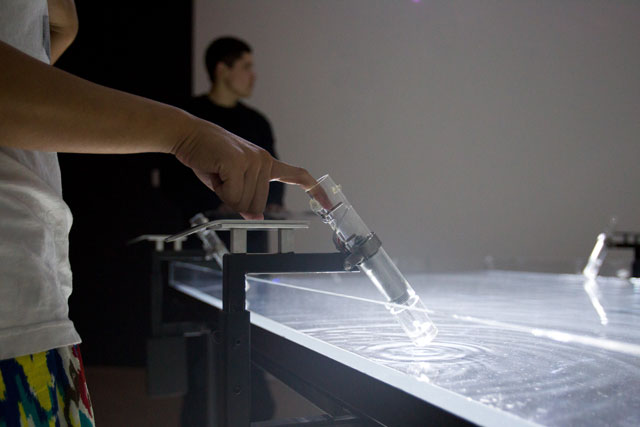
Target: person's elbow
[[70, 29], [63, 26]]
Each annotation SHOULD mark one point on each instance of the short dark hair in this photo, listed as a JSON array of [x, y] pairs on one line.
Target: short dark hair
[[224, 49]]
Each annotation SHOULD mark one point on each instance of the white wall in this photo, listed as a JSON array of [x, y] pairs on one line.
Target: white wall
[[457, 128]]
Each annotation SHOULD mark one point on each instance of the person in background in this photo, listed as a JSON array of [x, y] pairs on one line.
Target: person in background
[[43, 111], [229, 63]]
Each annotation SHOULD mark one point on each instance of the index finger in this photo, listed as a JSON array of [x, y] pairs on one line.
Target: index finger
[[288, 174]]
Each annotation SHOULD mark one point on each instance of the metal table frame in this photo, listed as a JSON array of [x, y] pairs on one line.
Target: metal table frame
[[348, 396]]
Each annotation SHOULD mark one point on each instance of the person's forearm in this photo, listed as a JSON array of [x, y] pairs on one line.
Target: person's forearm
[[43, 108], [63, 25]]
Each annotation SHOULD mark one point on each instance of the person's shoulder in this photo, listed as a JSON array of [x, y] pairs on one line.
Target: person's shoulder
[[252, 112], [196, 104], [198, 101], [246, 109]]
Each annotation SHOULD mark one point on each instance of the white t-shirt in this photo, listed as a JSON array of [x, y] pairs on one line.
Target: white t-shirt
[[35, 276]]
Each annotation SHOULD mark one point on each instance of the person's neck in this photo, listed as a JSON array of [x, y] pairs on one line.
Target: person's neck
[[223, 97]]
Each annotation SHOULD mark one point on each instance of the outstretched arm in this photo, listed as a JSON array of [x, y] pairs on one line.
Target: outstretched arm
[[47, 109]]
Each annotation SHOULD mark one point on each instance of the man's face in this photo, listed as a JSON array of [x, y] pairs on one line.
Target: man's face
[[239, 78]]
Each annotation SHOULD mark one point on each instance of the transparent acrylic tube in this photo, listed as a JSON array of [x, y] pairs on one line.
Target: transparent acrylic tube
[[599, 252], [596, 258], [214, 248], [350, 232]]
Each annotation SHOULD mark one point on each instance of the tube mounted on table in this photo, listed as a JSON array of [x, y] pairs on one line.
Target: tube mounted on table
[[599, 252], [214, 248], [364, 250]]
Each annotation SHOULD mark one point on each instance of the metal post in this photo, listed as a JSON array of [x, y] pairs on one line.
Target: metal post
[[238, 241], [285, 241]]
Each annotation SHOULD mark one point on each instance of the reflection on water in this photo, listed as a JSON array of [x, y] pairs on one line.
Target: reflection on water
[[593, 291]]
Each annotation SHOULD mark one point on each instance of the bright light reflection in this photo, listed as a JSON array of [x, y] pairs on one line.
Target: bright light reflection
[[592, 290]]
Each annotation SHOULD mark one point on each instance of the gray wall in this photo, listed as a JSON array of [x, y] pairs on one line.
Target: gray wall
[[458, 129]]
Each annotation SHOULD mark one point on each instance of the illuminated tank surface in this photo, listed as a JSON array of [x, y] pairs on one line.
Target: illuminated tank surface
[[513, 348]]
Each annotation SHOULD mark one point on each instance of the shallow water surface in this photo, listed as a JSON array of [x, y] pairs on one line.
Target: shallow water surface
[[531, 345]]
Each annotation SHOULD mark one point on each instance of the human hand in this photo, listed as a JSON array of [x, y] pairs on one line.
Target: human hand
[[238, 171], [224, 210]]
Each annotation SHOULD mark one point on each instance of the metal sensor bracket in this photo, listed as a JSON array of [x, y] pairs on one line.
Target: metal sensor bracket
[[239, 228]]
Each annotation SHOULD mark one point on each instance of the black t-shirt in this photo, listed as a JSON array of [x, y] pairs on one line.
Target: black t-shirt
[[241, 120]]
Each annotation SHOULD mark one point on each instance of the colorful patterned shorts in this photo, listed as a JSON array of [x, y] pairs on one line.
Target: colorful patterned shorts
[[45, 389]]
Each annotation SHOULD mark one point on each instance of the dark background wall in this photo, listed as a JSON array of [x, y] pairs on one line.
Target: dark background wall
[[143, 48]]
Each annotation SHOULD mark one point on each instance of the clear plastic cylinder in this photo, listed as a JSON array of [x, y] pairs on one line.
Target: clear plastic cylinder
[[333, 207], [328, 201], [596, 258], [214, 248]]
